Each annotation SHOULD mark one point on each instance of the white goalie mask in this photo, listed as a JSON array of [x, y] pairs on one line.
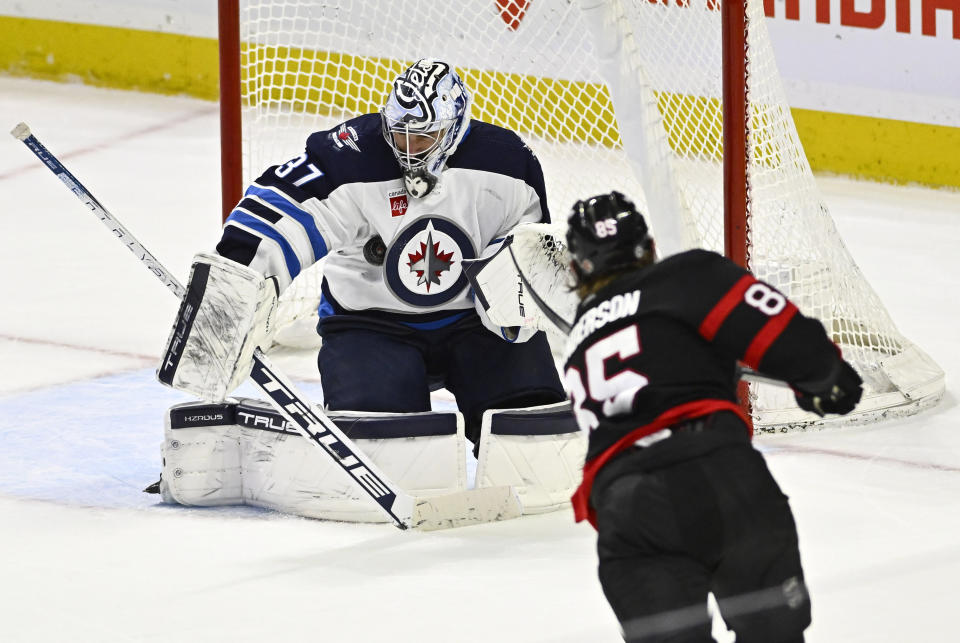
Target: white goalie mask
[[425, 117]]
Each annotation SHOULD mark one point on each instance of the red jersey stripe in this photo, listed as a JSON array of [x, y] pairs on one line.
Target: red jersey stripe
[[715, 318], [767, 335]]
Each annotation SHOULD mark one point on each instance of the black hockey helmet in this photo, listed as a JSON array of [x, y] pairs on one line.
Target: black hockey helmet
[[606, 233]]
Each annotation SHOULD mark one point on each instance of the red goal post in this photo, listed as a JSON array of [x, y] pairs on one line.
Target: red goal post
[[676, 103], [231, 127]]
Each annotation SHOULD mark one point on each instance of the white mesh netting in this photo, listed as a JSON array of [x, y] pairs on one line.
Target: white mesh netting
[[554, 71]]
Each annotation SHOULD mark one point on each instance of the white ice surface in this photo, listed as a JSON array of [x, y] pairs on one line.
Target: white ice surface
[[85, 556]]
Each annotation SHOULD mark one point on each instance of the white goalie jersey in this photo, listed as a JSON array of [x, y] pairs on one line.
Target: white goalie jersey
[[346, 189]]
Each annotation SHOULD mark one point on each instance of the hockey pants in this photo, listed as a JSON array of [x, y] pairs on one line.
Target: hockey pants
[[716, 522]]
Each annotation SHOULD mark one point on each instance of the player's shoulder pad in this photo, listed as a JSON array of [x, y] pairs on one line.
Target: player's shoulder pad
[[354, 152], [491, 148], [683, 283], [695, 259], [696, 265], [676, 273]]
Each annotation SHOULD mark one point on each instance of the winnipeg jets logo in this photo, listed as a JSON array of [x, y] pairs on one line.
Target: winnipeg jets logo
[[430, 261], [423, 266], [346, 136]]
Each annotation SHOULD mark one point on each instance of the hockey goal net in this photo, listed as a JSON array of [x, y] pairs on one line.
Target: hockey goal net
[[610, 94]]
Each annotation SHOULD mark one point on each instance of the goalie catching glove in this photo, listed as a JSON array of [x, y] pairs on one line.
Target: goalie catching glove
[[227, 311], [512, 334], [507, 287], [838, 393]]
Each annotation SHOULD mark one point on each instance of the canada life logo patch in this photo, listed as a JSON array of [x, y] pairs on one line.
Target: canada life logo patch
[[424, 264], [398, 202]]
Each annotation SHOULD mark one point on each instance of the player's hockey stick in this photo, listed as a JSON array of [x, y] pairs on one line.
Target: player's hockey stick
[[438, 512]]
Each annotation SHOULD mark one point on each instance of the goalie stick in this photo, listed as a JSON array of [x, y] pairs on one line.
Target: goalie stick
[[438, 512]]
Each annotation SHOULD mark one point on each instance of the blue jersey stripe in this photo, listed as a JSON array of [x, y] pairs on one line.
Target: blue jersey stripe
[[325, 309], [300, 215], [264, 212], [439, 323], [267, 230], [329, 307]]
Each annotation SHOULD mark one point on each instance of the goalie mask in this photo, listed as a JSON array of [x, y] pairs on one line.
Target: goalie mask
[[426, 116], [606, 233]]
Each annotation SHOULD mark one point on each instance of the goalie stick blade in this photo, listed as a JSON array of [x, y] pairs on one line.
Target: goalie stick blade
[[471, 507]]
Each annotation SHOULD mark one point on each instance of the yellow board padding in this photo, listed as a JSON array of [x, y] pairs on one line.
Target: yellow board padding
[[880, 149], [146, 61], [872, 148]]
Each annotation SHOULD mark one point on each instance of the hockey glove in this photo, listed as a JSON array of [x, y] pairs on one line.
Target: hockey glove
[[512, 334], [501, 298], [227, 312], [837, 393]]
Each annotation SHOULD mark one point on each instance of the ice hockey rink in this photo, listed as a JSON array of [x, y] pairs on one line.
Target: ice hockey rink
[[86, 556]]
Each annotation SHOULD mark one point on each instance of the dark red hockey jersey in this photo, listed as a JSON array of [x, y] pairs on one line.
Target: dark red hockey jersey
[[660, 346]]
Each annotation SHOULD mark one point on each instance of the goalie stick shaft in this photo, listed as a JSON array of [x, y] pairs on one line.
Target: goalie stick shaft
[[22, 133], [313, 425]]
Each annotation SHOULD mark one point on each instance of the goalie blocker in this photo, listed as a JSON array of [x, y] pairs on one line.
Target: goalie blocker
[[244, 453], [226, 312]]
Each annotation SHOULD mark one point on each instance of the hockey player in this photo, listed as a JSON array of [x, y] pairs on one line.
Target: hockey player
[[682, 503], [395, 201]]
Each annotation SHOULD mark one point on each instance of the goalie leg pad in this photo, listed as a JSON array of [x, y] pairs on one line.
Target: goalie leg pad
[[227, 311], [278, 469], [201, 456], [423, 453], [538, 450]]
